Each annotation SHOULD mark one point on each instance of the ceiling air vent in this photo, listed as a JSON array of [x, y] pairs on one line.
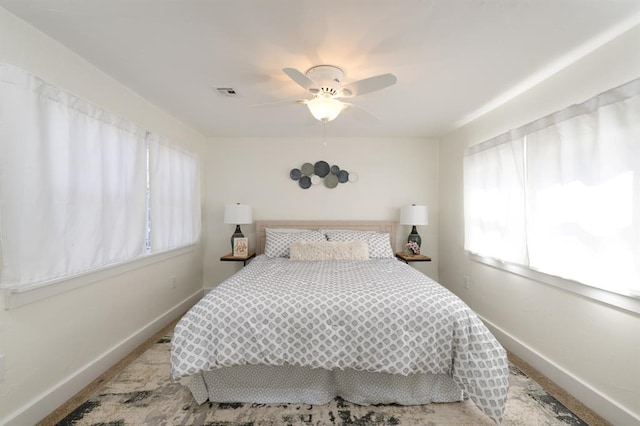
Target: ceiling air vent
[[227, 92]]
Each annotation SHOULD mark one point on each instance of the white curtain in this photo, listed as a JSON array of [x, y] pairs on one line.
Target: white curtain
[[174, 180], [576, 199], [72, 183], [494, 203], [584, 195]]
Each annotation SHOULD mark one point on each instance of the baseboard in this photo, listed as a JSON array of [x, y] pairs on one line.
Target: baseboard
[[606, 408], [57, 395]]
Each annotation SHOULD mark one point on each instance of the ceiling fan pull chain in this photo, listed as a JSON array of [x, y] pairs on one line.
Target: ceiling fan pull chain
[[324, 133]]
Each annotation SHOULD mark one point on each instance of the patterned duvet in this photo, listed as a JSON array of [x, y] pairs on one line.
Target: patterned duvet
[[374, 315]]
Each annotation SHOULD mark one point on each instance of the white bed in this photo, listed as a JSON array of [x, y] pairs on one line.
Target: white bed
[[370, 331]]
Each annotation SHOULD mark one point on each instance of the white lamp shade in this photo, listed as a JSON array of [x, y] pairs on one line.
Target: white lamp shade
[[414, 215], [324, 108], [238, 214]]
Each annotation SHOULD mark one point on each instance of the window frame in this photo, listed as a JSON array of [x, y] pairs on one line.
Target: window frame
[[627, 302], [629, 299], [14, 297], [25, 292]]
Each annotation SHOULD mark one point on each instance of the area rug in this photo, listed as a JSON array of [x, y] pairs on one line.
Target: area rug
[[144, 394]]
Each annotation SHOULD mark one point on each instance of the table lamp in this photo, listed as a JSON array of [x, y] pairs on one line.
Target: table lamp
[[415, 216], [237, 214]]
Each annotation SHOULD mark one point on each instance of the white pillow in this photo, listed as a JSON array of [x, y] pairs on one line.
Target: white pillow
[[329, 250], [277, 242], [379, 243]]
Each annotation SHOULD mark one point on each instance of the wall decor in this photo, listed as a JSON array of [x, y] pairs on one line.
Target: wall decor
[[307, 169], [321, 172]]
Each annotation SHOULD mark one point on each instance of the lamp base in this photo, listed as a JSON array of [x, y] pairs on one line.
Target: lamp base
[[237, 234], [415, 237]]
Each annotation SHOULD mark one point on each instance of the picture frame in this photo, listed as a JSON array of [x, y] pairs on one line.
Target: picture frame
[[240, 247]]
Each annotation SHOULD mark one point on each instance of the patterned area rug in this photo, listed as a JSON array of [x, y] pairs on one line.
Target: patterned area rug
[[144, 394]]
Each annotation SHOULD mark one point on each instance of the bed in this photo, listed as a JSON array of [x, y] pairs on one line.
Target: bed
[[326, 310]]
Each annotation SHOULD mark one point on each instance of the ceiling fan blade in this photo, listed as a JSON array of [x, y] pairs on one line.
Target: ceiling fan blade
[[360, 113], [304, 81], [367, 85], [279, 103]]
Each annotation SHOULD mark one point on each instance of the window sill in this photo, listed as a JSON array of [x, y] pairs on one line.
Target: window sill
[[629, 302], [19, 296]]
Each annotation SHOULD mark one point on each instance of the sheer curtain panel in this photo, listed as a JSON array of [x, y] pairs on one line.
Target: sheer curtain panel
[[174, 181], [584, 193], [494, 201], [574, 205], [72, 183]]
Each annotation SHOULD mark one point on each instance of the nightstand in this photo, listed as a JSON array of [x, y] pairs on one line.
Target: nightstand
[[408, 257], [244, 259]]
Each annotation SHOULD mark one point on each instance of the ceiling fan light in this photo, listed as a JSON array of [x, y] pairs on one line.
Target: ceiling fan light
[[325, 108]]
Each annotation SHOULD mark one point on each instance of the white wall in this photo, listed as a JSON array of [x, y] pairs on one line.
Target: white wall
[[587, 347], [255, 171], [56, 346]]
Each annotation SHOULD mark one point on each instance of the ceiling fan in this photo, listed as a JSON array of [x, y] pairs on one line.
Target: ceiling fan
[[325, 83]]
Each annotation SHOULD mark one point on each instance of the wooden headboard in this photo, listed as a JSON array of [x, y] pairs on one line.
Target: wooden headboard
[[388, 227]]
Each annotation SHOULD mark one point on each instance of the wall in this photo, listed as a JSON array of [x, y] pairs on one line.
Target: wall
[[392, 173], [589, 348], [56, 346]]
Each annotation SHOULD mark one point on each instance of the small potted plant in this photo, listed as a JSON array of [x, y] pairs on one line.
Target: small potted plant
[[413, 248]]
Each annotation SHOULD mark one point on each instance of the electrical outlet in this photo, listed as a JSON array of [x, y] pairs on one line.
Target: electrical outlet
[[467, 282], [174, 282], [1, 368]]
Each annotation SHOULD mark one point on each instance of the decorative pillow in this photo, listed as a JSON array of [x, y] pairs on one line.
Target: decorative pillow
[[379, 243], [329, 250], [277, 243]]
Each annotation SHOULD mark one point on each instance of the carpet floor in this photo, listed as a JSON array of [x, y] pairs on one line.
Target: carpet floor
[[143, 394]]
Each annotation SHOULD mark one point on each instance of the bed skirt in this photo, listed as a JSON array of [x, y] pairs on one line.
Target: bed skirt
[[289, 384]]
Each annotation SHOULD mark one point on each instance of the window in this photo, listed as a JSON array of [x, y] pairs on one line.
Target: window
[[174, 186], [561, 195], [70, 174]]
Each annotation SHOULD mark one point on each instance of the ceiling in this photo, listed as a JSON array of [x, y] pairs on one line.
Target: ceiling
[[454, 59]]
